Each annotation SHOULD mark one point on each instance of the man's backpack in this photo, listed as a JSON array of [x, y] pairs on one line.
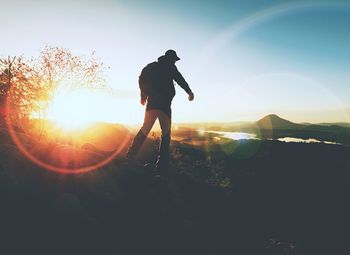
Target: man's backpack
[[148, 78]]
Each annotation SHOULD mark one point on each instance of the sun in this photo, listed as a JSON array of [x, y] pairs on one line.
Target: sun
[[72, 110], [75, 134], [76, 109]]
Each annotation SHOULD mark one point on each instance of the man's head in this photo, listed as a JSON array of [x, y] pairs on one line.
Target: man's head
[[171, 55]]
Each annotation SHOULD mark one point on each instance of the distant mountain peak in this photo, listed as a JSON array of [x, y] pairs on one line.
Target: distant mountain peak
[[272, 115], [273, 121]]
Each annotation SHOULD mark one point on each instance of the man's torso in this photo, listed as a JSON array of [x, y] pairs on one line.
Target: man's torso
[[162, 90]]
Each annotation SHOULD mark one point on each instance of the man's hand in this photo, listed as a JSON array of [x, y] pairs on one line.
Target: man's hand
[[191, 96], [143, 101]]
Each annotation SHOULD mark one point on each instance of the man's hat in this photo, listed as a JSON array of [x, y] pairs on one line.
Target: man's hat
[[171, 54]]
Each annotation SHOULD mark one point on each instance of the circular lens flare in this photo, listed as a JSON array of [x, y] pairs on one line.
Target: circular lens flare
[[69, 159]]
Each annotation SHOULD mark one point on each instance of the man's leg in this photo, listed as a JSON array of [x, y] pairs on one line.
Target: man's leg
[[150, 118], [163, 156]]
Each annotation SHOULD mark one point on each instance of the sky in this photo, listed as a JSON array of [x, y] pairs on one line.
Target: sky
[[242, 59]]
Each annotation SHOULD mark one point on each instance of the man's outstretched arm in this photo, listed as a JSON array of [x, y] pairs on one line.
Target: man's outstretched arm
[[183, 84]]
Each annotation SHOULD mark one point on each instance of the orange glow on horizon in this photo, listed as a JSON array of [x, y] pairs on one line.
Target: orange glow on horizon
[[63, 149]]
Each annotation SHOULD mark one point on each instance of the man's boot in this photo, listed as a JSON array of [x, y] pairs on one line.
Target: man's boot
[[162, 164], [136, 145]]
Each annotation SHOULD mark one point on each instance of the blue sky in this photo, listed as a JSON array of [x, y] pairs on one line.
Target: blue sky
[[243, 59]]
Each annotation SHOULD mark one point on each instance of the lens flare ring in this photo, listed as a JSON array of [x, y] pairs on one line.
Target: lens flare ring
[[61, 170]]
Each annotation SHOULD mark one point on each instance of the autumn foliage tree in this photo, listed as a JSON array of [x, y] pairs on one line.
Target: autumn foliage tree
[[15, 81], [29, 85], [59, 68]]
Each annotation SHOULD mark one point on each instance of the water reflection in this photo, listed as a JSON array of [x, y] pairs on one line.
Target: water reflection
[[301, 140], [250, 136], [235, 135], [298, 140]]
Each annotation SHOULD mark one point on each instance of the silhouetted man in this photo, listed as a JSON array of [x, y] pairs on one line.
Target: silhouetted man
[[157, 90]]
